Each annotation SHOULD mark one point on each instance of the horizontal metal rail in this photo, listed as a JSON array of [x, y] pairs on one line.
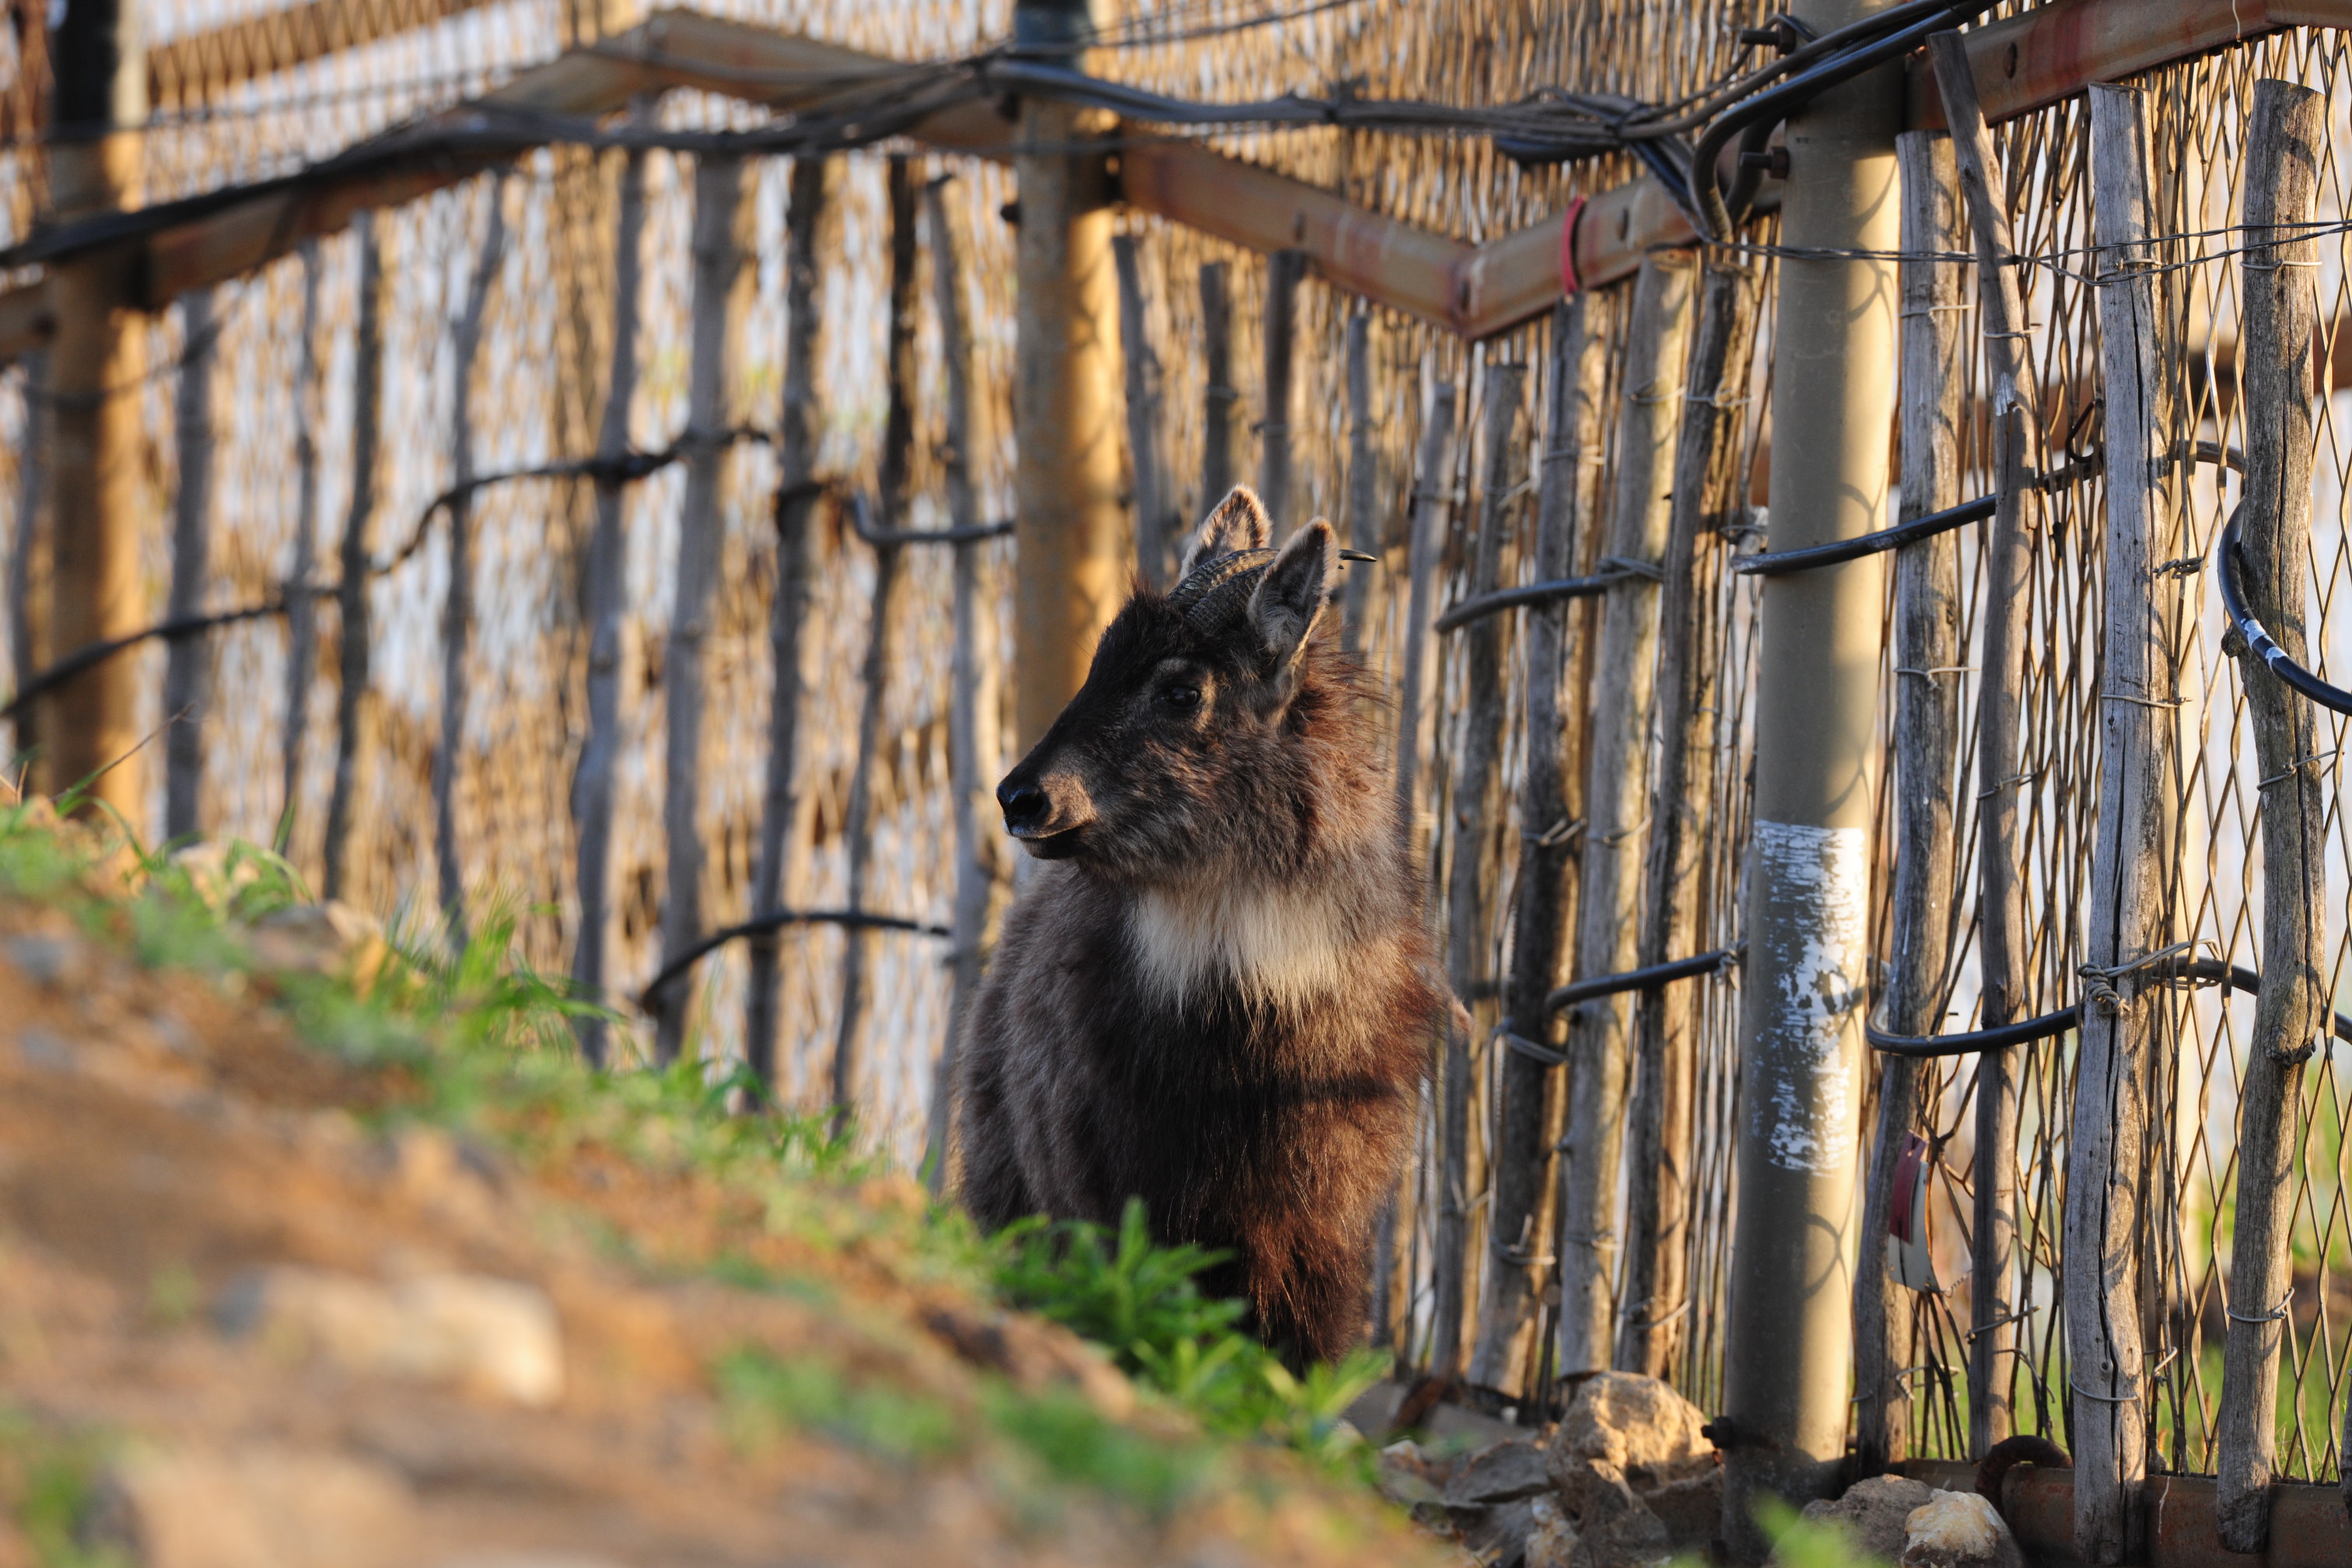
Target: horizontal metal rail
[[2261, 642], [2025, 1031], [1649, 979]]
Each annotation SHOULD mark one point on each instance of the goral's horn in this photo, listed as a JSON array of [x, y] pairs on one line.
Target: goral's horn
[[1216, 592]]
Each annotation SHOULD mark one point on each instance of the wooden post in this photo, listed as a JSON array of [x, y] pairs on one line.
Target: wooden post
[[1156, 526], [27, 539], [88, 727], [1469, 939], [1658, 1170], [1432, 498], [1072, 563], [1220, 395], [1618, 805], [1551, 799], [2284, 148], [1363, 484], [720, 245], [301, 598], [187, 673], [1284, 269], [605, 600], [898, 455], [355, 630], [457, 610], [973, 703], [2001, 700], [1926, 742], [773, 875]]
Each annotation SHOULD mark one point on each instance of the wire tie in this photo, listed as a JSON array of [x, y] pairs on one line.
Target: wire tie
[[1557, 834], [2017, 1317], [2187, 566], [2274, 266], [2276, 1315], [2292, 769], [2019, 332], [2143, 701], [1623, 833], [1530, 1048], [1927, 310], [1648, 393], [2012, 780], [2132, 1398], [1933, 671], [1661, 1321], [1654, 573]]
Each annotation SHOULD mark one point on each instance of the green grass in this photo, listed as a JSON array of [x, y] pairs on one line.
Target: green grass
[[480, 1043], [46, 1484]]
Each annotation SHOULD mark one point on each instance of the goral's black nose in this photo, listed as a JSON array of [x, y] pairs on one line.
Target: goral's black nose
[[1025, 805]]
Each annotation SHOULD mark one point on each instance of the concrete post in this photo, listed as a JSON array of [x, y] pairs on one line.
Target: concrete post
[[1789, 1346], [96, 367], [1072, 539]]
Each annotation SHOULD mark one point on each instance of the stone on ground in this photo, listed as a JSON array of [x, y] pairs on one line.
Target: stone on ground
[[1552, 1538], [1614, 1528], [1504, 1473], [1959, 1529], [1691, 1508], [253, 1507], [490, 1337], [1874, 1515], [1637, 1425]]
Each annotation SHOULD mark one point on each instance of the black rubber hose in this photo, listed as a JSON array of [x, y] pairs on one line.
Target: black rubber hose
[[2261, 642]]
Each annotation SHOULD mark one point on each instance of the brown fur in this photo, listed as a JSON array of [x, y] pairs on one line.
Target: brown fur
[[1217, 996]]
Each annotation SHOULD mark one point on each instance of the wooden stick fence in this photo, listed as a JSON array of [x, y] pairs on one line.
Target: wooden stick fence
[[1513, 1266]]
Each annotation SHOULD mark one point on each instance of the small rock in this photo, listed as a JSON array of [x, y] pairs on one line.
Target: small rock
[[1873, 1514], [1504, 1473], [330, 938], [1552, 1539], [252, 1507], [53, 960], [1614, 1528], [41, 1048], [1497, 1536], [1959, 1529], [1690, 1506], [1636, 1424], [492, 1337], [1405, 1475]]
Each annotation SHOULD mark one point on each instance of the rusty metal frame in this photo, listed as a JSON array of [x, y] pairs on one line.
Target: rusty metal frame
[[2306, 1517], [2022, 64]]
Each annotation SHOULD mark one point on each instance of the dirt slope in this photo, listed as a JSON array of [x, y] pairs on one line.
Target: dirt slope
[[222, 1250]]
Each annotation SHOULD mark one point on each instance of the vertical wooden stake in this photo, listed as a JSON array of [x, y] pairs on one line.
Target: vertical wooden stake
[[1071, 570], [720, 212], [1658, 1170], [301, 592], [1155, 524], [355, 631], [187, 673], [1432, 504], [27, 539], [2284, 148], [1220, 395], [1552, 798], [973, 754], [88, 727], [1619, 806], [2009, 588], [1284, 269], [898, 455], [1469, 937], [1363, 484], [458, 611], [604, 597], [1926, 741], [773, 878]]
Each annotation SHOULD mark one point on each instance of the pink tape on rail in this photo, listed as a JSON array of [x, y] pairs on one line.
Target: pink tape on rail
[[1569, 282]]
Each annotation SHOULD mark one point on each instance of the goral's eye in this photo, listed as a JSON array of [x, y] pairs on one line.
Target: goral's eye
[[1182, 699]]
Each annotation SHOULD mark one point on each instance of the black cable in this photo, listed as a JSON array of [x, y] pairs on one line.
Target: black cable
[[2207, 970], [857, 919], [2259, 642], [1503, 599], [1648, 978]]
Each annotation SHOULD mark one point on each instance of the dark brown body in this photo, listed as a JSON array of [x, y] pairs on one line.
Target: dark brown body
[[1218, 997]]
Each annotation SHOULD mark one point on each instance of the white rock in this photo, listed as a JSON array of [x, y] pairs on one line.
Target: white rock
[[493, 1337], [1872, 1514], [1636, 1424], [1958, 1529], [253, 1507]]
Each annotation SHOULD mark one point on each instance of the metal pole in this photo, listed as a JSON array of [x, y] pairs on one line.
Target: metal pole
[[97, 371], [1788, 1346], [1073, 555]]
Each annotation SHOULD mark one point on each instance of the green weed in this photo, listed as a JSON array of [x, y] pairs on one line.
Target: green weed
[[764, 1397]]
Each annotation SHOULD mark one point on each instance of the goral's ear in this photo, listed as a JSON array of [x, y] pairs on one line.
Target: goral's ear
[[1239, 524], [1283, 608]]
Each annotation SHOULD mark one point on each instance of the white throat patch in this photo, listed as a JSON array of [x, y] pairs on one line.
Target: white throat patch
[[1280, 945]]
